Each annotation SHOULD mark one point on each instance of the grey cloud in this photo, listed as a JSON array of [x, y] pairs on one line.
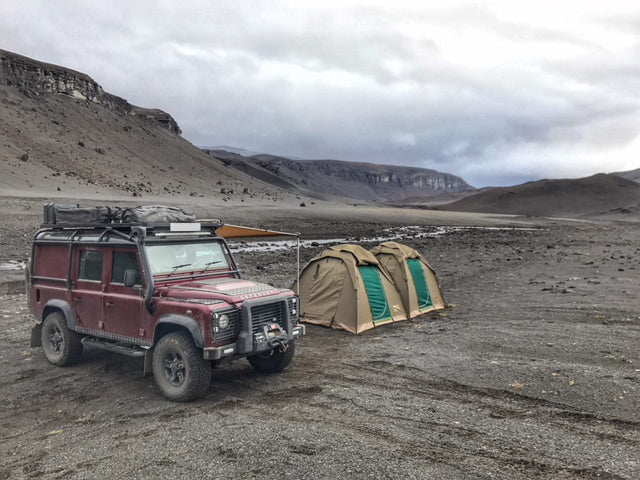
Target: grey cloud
[[364, 82]]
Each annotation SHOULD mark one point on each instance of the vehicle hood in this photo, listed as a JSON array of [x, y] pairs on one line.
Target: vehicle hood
[[230, 290]]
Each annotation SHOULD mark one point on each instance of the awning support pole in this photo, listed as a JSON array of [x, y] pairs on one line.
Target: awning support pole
[[298, 271]]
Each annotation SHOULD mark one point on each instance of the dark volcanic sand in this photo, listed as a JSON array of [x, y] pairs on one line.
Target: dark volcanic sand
[[533, 372]]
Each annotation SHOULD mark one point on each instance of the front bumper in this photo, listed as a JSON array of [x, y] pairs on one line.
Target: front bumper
[[216, 353]]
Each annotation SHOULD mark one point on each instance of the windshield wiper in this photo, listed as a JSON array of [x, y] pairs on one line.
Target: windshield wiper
[[207, 265], [180, 266]]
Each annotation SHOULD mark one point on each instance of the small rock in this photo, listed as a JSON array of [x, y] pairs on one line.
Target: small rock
[[24, 157]]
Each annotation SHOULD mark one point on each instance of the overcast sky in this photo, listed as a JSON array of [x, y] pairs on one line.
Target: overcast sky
[[496, 92]]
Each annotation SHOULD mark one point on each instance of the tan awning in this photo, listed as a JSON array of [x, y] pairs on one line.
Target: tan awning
[[238, 231]]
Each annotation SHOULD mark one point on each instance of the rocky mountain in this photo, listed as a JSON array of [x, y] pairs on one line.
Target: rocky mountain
[[62, 133], [598, 194], [336, 178]]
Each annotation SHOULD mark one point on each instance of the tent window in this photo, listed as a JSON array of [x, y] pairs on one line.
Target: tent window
[[420, 283], [380, 310]]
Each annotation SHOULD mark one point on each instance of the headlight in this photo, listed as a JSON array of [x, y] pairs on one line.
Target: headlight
[[294, 311], [294, 300], [223, 321]]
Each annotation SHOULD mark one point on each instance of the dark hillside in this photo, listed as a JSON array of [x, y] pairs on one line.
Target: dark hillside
[[568, 197]]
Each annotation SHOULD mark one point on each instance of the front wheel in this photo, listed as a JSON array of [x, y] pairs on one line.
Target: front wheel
[[179, 369], [274, 360]]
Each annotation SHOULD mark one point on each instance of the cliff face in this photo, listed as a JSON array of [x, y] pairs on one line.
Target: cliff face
[[360, 181], [32, 77]]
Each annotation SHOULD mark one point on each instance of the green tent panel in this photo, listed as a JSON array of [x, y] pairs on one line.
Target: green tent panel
[[380, 310], [420, 283], [414, 278]]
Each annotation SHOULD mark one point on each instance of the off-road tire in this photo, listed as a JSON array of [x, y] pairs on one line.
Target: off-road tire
[[273, 361], [61, 346], [179, 369]]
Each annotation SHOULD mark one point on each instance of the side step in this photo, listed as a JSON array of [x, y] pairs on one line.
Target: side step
[[130, 351]]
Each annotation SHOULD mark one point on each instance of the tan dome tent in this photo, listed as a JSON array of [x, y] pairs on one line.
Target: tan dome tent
[[413, 276], [345, 288]]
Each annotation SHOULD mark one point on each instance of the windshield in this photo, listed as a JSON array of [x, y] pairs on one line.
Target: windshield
[[186, 257]]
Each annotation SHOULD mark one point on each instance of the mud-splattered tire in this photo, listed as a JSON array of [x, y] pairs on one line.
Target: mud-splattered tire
[[179, 369], [273, 361], [61, 346]]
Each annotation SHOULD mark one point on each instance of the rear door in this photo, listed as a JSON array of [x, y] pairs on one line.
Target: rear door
[[86, 295], [125, 314]]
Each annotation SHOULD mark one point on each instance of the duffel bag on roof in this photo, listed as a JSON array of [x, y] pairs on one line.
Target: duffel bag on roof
[[155, 214]]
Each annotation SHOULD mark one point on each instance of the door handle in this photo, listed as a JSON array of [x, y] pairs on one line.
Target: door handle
[[109, 304], [77, 300]]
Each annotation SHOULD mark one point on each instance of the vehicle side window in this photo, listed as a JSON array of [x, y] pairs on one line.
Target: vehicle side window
[[90, 265], [123, 261]]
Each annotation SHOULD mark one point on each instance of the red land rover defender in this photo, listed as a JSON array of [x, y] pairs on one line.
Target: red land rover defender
[[168, 292]]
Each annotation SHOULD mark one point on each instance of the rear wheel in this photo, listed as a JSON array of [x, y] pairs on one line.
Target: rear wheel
[[179, 369], [61, 346], [274, 360]]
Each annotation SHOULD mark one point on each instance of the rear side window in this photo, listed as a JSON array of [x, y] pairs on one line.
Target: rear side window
[[123, 261], [90, 265]]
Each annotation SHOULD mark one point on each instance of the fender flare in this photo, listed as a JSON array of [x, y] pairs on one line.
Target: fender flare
[[66, 310], [187, 322]]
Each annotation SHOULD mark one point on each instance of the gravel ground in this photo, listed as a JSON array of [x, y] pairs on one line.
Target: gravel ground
[[532, 372]]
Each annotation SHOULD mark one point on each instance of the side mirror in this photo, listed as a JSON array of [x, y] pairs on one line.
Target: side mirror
[[130, 278]]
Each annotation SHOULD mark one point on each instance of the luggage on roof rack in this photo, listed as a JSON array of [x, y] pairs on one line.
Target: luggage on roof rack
[[155, 214], [72, 214]]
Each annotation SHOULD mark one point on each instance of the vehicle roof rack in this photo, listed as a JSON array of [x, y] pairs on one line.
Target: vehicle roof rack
[[62, 216], [208, 224]]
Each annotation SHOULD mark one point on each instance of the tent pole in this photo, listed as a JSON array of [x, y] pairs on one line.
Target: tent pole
[[298, 271]]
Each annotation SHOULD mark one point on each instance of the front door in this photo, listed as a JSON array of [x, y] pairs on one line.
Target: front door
[[124, 312]]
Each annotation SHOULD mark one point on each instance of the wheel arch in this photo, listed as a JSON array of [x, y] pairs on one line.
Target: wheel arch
[[173, 323], [61, 306]]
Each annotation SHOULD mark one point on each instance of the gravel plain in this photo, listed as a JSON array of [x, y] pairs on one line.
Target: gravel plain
[[532, 371]]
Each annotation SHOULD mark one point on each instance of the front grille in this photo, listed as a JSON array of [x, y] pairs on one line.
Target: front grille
[[268, 313], [232, 331]]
